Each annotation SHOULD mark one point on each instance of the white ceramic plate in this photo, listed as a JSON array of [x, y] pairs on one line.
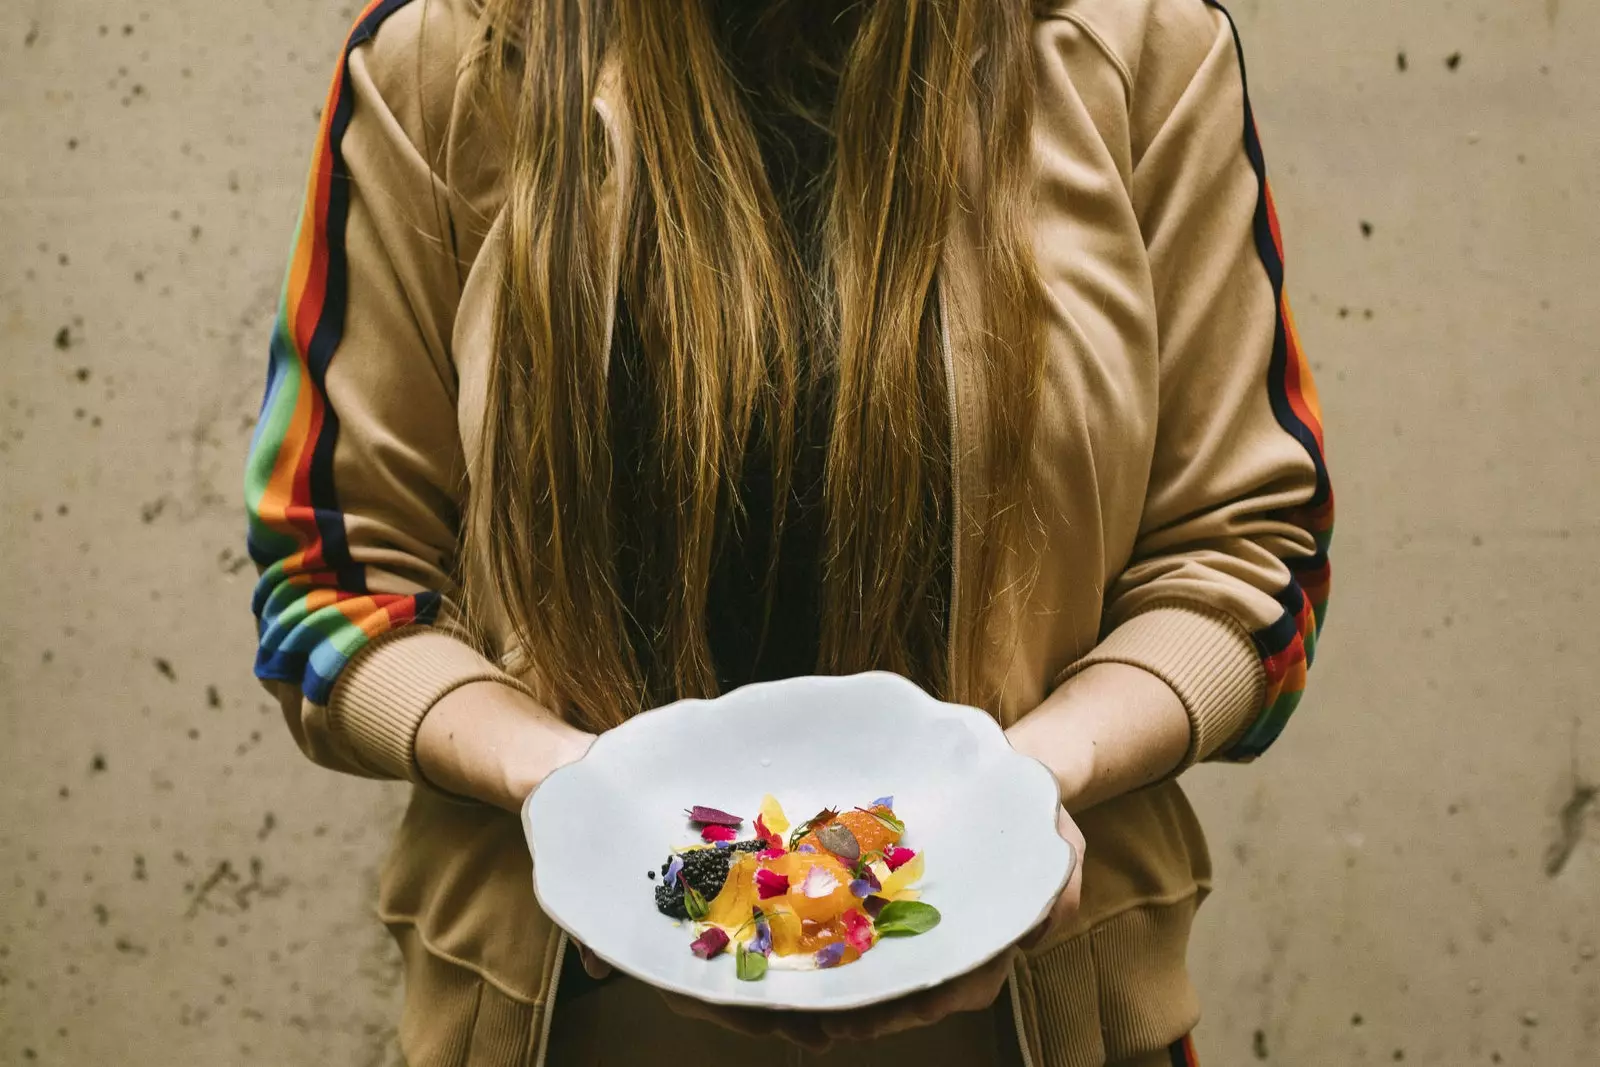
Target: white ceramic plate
[[984, 815]]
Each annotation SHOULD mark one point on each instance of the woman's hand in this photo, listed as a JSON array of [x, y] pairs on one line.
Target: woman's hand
[[977, 989], [494, 743]]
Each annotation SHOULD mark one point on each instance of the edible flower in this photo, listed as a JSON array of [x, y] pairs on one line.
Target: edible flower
[[771, 884], [897, 857], [772, 814], [830, 955], [867, 884], [883, 802], [874, 905], [766, 836], [718, 832], [806, 848], [770, 853], [712, 817], [710, 943], [674, 868], [762, 942], [858, 930], [819, 882]]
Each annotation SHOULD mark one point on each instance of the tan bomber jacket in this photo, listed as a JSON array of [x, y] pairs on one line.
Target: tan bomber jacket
[[1179, 462]]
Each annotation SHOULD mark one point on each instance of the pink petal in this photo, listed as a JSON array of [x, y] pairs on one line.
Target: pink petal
[[858, 930], [770, 853], [708, 944], [898, 857], [712, 817], [718, 832], [771, 884]]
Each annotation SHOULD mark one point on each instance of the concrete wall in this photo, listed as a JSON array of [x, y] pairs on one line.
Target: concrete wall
[[1413, 873]]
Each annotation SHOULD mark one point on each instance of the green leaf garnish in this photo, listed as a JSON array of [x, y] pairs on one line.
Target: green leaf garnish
[[888, 820], [821, 818], [904, 918], [694, 903], [749, 966]]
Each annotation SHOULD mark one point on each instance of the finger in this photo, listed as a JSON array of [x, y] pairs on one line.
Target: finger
[[593, 965]]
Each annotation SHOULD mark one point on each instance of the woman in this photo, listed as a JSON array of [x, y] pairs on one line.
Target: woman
[[633, 350]]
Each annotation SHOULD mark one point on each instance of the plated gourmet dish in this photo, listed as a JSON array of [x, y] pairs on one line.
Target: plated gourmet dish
[[817, 895]]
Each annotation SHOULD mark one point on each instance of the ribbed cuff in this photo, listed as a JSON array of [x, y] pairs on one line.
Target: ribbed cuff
[[383, 694], [1114, 994], [1207, 659]]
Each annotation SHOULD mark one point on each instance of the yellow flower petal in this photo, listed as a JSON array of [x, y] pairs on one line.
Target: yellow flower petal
[[908, 874], [772, 815]]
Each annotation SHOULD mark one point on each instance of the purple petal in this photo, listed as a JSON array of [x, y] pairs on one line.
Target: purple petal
[[674, 868], [762, 942], [860, 888], [883, 802], [712, 817], [806, 848], [830, 955], [873, 905]]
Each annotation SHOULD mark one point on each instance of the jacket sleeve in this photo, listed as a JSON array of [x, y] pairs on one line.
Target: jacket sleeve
[[354, 472], [1227, 584]]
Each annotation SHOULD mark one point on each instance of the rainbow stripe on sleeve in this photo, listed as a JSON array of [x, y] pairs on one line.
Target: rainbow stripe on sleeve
[[312, 605], [1288, 645]]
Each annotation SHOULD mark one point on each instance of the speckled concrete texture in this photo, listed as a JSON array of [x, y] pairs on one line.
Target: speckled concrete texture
[[1412, 874]]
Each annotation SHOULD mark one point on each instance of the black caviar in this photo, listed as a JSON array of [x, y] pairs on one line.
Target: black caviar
[[705, 869]]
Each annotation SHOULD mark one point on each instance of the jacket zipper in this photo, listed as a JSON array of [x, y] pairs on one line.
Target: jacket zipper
[[955, 574], [550, 1002]]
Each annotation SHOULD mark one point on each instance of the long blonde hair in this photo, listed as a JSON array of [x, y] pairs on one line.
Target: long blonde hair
[[725, 305]]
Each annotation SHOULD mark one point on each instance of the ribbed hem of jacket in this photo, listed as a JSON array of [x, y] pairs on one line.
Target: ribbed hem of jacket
[[384, 693], [1116, 992], [454, 1018], [1205, 656]]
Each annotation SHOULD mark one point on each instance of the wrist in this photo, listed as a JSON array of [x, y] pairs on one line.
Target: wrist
[[493, 743], [538, 755], [1068, 754]]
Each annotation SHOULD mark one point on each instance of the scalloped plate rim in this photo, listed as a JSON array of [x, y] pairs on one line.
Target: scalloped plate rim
[[1068, 853]]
